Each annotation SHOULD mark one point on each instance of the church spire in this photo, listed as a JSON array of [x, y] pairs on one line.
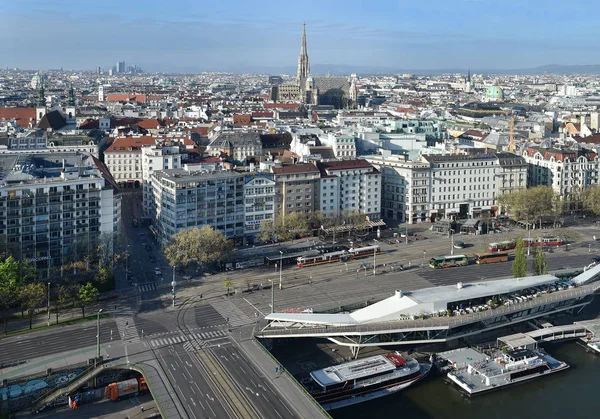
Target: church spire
[[71, 100], [41, 102], [303, 64]]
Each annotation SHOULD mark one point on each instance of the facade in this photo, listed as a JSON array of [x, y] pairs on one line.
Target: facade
[[343, 145], [259, 202], [329, 195], [156, 158], [405, 189], [236, 145], [565, 170], [123, 157], [184, 199], [447, 186], [359, 186], [297, 188], [50, 202]]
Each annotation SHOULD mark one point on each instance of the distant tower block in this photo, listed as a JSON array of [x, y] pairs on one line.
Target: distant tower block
[[100, 93]]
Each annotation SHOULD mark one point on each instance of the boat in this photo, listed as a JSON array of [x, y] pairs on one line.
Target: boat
[[365, 379], [485, 373]]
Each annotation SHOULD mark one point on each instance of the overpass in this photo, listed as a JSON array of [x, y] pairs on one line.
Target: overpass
[[583, 329], [440, 314]]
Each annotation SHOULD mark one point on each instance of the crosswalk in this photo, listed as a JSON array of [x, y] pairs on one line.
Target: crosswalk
[[147, 287], [127, 329], [230, 311], [192, 342]]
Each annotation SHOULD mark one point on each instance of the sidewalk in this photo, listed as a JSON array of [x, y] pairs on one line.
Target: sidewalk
[[304, 405]]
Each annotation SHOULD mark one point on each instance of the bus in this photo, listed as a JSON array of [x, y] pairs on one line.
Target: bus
[[442, 262], [492, 257]]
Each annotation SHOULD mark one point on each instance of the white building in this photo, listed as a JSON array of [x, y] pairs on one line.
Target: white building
[[329, 195], [156, 158], [48, 202], [123, 157], [359, 186], [184, 199], [343, 145], [259, 201]]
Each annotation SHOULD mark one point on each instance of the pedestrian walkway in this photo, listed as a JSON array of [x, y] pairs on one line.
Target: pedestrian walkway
[[127, 329], [230, 311], [147, 287], [189, 341]]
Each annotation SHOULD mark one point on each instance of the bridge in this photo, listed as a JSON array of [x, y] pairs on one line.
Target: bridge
[[576, 330]]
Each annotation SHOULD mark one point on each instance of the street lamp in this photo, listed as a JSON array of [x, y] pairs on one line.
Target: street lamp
[[424, 253], [98, 334], [280, 267], [272, 296], [528, 238], [451, 243], [173, 285], [374, 257], [48, 304]]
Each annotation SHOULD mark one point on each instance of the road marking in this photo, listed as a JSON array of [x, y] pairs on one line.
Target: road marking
[[254, 307], [211, 409], [277, 413], [177, 363], [202, 404], [193, 391], [252, 383], [243, 370], [210, 398], [286, 408]]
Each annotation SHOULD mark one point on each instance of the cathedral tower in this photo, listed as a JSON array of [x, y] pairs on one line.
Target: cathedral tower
[[303, 64]]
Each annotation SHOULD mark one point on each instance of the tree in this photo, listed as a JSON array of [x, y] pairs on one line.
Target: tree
[[87, 294], [199, 245], [590, 197], [32, 296], [64, 294], [291, 226], [10, 282], [533, 204], [266, 232], [540, 265], [227, 284], [519, 266]]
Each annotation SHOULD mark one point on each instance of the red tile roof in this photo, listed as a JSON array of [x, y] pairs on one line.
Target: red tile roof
[[125, 97], [150, 123], [345, 165], [121, 144], [295, 168], [23, 116]]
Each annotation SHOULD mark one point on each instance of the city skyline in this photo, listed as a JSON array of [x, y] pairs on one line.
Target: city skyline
[[394, 36]]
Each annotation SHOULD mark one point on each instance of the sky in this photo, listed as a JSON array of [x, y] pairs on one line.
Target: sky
[[247, 35]]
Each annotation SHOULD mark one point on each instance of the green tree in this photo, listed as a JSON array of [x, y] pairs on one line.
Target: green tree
[[291, 226], [199, 245], [10, 282], [590, 197], [519, 266], [532, 205], [227, 284], [87, 294], [540, 265], [32, 296], [64, 294], [266, 232]]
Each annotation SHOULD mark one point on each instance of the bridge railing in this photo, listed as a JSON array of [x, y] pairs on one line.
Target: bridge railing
[[431, 323]]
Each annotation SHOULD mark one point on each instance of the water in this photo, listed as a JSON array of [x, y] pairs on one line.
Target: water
[[572, 393]]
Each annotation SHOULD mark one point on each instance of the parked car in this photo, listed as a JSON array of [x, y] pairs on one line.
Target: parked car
[[459, 245], [157, 271]]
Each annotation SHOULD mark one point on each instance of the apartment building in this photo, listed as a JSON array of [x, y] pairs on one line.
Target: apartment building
[[297, 188], [185, 198], [405, 188], [565, 170], [343, 145], [156, 157], [49, 202], [466, 186], [259, 202], [123, 157], [359, 186]]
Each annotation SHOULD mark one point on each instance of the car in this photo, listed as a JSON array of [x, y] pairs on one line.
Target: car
[[459, 245], [157, 271]]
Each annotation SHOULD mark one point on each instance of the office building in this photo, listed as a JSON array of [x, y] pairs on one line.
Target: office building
[[51, 204], [156, 157], [183, 198]]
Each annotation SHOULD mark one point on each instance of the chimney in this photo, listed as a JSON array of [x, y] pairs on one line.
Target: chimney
[[398, 294]]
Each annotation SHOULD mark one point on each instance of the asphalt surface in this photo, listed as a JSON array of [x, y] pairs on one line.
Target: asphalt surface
[[473, 273], [193, 390], [61, 339]]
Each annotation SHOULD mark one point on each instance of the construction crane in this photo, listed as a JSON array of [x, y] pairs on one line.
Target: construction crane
[[511, 133]]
